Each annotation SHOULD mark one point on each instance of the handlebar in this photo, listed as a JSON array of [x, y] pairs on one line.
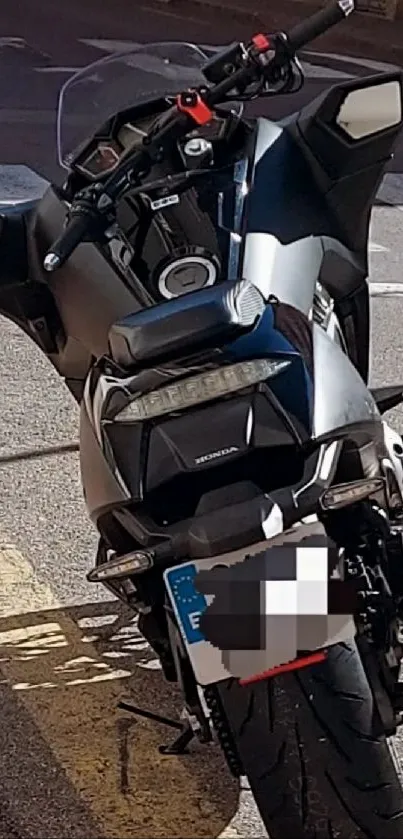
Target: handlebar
[[306, 31], [92, 214], [262, 60], [69, 239]]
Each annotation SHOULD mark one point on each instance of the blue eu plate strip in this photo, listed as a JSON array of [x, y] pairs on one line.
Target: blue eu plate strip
[[189, 603]]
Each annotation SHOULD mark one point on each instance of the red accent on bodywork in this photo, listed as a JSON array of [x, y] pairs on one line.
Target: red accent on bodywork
[[297, 664]]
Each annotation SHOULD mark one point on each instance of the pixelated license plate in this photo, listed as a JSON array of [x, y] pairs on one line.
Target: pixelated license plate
[[207, 660]]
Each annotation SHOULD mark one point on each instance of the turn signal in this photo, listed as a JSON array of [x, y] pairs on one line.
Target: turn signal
[[341, 495], [121, 566]]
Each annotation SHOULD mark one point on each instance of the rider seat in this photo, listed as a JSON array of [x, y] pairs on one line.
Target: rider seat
[[193, 322]]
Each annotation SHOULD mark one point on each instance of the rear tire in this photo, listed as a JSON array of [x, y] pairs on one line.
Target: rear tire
[[316, 758]]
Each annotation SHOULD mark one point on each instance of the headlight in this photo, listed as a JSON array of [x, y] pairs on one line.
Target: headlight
[[201, 388]]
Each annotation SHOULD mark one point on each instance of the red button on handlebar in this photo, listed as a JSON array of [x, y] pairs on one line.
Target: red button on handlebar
[[261, 42], [192, 104]]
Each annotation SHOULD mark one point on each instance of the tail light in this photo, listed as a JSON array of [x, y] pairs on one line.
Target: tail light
[[204, 387]]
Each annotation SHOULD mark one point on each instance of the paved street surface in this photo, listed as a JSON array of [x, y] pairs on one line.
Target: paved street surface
[[71, 765]]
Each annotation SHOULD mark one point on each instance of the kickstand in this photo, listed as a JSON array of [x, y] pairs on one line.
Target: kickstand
[[179, 745]]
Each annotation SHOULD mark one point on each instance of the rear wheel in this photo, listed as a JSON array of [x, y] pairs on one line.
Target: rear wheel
[[312, 747]]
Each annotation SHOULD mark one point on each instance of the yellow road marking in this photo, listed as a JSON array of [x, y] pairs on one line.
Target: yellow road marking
[[71, 687]]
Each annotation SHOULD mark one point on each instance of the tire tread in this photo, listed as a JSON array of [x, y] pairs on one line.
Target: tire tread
[[316, 758]]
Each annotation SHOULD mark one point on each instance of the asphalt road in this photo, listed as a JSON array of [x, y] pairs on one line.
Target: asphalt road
[[71, 765]]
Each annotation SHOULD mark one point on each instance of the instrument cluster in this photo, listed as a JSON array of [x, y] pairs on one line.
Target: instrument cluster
[[103, 156]]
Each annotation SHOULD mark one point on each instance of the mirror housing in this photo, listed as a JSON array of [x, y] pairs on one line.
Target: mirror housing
[[368, 110], [337, 153], [348, 171]]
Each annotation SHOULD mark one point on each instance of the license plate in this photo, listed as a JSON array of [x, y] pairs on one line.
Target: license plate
[[188, 605]]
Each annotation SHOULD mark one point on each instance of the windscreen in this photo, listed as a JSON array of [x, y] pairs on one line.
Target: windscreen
[[144, 73]]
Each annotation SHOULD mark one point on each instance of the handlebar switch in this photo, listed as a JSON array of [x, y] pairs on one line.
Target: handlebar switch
[[347, 6]]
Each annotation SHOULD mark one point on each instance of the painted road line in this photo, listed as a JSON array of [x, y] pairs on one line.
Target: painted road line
[[111, 46], [386, 289], [68, 70], [374, 248], [17, 52], [378, 66], [53, 661]]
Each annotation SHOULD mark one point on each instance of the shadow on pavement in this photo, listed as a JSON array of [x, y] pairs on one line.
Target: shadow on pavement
[[72, 764]]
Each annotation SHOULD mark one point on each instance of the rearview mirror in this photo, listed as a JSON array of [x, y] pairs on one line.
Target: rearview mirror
[[370, 109]]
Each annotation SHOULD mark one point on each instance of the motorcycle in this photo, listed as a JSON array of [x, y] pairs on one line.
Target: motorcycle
[[200, 282]]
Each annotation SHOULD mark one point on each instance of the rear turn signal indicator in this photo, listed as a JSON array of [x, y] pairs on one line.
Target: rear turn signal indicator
[[342, 495], [118, 567]]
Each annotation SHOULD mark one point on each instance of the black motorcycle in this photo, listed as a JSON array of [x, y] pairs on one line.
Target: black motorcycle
[[200, 282]]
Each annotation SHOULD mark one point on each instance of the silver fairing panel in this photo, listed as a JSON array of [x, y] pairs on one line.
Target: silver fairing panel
[[284, 251], [287, 271], [291, 270], [341, 398]]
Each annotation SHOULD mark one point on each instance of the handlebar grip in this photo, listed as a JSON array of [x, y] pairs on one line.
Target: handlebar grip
[[319, 23], [67, 242]]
